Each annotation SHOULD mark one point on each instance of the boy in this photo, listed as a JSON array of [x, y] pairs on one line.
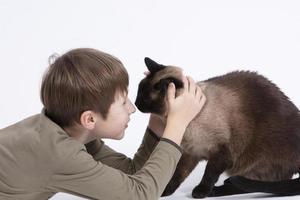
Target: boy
[[84, 93]]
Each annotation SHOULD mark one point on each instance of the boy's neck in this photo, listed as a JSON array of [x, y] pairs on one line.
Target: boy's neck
[[79, 133]]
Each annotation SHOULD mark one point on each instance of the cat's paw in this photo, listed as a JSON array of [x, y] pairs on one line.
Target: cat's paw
[[167, 193], [170, 188], [201, 191]]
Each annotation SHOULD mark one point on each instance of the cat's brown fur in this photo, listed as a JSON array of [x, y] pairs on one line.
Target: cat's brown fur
[[248, 127]]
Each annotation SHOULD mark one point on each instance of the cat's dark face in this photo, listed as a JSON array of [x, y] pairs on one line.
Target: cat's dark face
[[152, 91]]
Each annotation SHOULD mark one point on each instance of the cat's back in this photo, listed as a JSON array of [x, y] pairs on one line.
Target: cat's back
[[257, 94], [261, 118], [244, 80]]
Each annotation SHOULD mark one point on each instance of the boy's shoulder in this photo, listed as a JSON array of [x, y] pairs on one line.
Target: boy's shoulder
[[34, 149], [42, 135], [32, 126]]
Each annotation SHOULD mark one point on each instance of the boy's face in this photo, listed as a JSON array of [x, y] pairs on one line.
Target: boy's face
[[114, 125]]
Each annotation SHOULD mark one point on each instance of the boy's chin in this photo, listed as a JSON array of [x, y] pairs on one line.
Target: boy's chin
[[120, 136]]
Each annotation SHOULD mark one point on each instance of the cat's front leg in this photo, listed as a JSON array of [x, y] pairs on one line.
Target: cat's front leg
[[184, 167], [216, 165]]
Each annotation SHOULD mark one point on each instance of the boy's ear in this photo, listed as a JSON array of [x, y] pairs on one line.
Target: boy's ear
[[153, 66], [164, 83], [87, 119]]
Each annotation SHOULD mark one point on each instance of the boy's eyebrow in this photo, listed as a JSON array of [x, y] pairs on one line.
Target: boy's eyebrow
[[125, 94], [124, 97]]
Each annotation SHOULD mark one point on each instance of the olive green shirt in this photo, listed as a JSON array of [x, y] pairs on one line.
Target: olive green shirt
[[38, 159]]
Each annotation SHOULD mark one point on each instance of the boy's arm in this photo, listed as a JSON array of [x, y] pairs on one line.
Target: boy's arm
[[108, 156], [81, 175]]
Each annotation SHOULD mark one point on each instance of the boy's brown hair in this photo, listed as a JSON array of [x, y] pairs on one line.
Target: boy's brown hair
[[81, 79]]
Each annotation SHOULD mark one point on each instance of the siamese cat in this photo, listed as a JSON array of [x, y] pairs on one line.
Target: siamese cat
[[247, 128]]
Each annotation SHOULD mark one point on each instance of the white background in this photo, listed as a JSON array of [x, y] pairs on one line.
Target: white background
[[206, 38]]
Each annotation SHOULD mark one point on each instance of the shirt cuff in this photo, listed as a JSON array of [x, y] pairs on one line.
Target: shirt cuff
[[172, 143], [153, 134]]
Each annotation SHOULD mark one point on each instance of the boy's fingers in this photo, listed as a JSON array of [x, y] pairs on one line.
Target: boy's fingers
[[171, 92], [192, 85], [185, 84], [146, 73], [198, 92], [202, 100]]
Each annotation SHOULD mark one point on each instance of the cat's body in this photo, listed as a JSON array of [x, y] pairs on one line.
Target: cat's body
[[248, 128], [254, 120]]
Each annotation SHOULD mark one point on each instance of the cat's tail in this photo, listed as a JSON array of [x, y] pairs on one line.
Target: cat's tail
[[282, 188]]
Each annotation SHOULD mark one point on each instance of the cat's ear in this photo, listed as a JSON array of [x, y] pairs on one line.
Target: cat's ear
[[153, 66], [163, 83]]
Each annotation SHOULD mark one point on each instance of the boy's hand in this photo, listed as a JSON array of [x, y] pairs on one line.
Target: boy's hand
[[191, 90], [183, 108]]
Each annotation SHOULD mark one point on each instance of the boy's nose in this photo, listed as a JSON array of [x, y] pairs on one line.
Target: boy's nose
[[132, 108]]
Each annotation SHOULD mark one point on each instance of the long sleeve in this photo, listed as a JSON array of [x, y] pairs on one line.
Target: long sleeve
[[108, 156], [81, 175], [40, 159]]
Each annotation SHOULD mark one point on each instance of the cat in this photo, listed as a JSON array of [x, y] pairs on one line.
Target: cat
[[247, 128]]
